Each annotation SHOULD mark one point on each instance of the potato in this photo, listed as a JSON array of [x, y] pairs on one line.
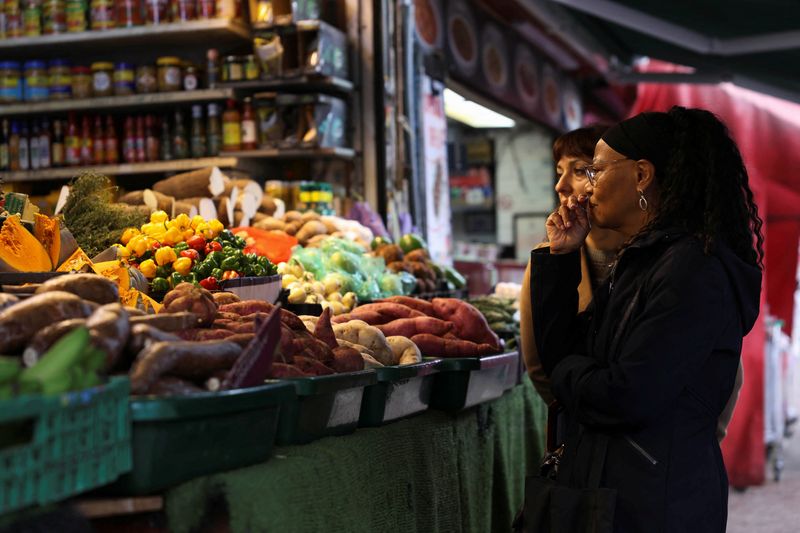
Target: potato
[[310, 215], [359, 332], [270, 223], [405, 351], [292, 227], [292, 216], [310, 229]]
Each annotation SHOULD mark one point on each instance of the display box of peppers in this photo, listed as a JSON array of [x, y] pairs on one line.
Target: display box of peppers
[[190, 249]]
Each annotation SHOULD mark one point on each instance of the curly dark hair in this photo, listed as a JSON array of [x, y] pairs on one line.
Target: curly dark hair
[[579, 142], [705, 188]]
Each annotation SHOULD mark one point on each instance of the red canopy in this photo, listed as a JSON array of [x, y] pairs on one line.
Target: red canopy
[[767, 130]]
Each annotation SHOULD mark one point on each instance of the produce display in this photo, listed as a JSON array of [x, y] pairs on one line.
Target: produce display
[[304, 288], [172, 251], [501, 313], [311, 229], [410, 255]]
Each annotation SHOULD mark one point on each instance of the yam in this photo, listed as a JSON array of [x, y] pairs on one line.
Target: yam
[[90, 287], [143, 335], [404, 350], [183, 208], [282, 371], [109, 329], [470, 324], [324, 331], [132, 198], [434, 346], [347, 360], [311, 366], [187, 184], [20, 322], [168, 322], [408, 327], [44, 339]]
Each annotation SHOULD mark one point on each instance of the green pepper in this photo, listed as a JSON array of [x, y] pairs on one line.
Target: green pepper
[[258, 270], [225, 236], [175, 279], [191, 277], [164, 271], [231, 263], [159, 285], [269, 267], [181, 246], [251, 258], [203, 269], [215, 258], [239, 242], [217, 273]]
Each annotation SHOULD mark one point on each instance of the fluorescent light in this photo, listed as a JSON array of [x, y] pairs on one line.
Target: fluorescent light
[[473, 114]]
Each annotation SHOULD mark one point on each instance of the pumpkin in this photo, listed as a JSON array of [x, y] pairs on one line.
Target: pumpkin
[[68, 246], [77, 262], [20, 251], [48, 232]]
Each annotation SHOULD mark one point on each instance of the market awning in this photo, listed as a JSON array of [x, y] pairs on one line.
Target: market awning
[[754, 44]]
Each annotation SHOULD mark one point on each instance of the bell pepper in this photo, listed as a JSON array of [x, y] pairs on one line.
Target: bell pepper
[[128, 234], [216, 226], [258, 270], [217, 273], [137, 245], [182, 222], [181, 246], [204, 230], [122, 252], [175, 279], [155, 245], [163, 271], [231, 263], [192, 254], [203, 269], [230, 274], [148, 268], [172, 236], [165, 255], [158, 217], [216, 258], [213, 246], [182, 266], [197, 220], [225, 236], [210, 284], [239, 242], [159, 285], [196, 242]]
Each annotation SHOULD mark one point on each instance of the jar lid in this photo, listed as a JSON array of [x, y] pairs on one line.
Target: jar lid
[[231, 59], [59, 63], [81, 70], [10, 64], [124, 66], [35, 64], [168, 61], [103, 65]]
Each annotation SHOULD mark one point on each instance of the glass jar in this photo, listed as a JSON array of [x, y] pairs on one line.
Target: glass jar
[[81, 82], [232, 69], [157, 11], [36, 82], [190, 78], [76, 16], [60, 76], [32, 18], [183, 10], [102, 76], [146, 79], [124, 79], [251, 68], [10, 82], [103, 17], [54, 17], [129, 13], [169, 74], [14, 24]]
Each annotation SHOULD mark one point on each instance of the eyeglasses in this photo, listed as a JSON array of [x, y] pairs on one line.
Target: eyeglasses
[[592, 171]]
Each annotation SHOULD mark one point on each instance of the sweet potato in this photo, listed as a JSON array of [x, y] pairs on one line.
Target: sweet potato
[[169, 322], [311, 366], [433, 346], [311, 345], [247, 307], [242, 339], [324, 331], [470, 324], [282, 370], [109, 329], [347, 360], [221, 315], [223, 298], [359, 332], [7, 300], [142, 335], [162, 358], [88, 286], [310, 322], [202, 334], [422, 306], [363, 350], [172, 386], [373, 318], [388, 310], [408, 327], [404, 350], [192, 298], [21, 321]]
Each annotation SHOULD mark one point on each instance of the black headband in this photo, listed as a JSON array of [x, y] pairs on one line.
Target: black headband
[[645, 136]]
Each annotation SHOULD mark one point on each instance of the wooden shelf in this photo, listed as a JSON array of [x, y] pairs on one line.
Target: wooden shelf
[[116, 102], [157, 167], [304, 84], [294, 153], [214, 31], [301, 25]]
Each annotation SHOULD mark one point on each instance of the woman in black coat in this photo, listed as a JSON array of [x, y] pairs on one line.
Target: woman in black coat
[[656, 357]]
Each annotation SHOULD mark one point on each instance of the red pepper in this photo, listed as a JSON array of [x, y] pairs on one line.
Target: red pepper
[[192, 254], [210, 284], [197, 243], [230, 274], [155, 245], [213, 246]]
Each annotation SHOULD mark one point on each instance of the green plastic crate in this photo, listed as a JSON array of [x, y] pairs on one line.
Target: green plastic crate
[[324, 406], [179, 438], [54, 447], [401, 391], [468, 381]]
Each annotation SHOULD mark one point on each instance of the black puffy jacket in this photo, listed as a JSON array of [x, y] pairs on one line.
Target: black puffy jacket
[[658, 396]]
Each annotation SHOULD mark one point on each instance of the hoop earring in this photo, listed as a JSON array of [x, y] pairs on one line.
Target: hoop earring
[[643, 205]]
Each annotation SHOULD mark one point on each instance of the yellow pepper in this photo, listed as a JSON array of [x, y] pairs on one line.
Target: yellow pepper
[[138, 245], [182, 266], [155, 230], [122, 251], [165, 255], [172, 237], [183, 221], [204, 230], [216, 227], [148, 268], [188, 234], [197, 220], [128, 234], [158, 217]]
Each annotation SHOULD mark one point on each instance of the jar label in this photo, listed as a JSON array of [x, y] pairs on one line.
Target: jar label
[[102, 82], [190, 83], [248, 132], [172, 76], [231, 134]]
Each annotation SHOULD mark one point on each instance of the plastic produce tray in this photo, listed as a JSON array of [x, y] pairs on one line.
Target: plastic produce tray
[[182, 437], [401, 391], [465, 382], [324, 406], [53, 447]]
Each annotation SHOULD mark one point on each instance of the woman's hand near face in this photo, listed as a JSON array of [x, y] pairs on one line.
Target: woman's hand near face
[[568, 226]]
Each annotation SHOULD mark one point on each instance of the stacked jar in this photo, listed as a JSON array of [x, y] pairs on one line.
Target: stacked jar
[[37, 84], [10, 82], [60, 79]]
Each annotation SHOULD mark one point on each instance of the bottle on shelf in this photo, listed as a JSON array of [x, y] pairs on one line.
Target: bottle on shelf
[[129, 13], [58, 148], [213, 130], [72, 142], [112, 144], [87, 151], [24, 147], [180, 143], [4, 154], [32, 18], [129, 141], [99, 142], [183, 10], [151, 138], [249, 132], [156, 11], [166, 141], [13, 146], [102, 14], [54, 17], [141, 149], [14, 24], [33, 145], [76, 16], [45, 151], [212, 67], [231, 128], [198, 133], [206, 9]]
